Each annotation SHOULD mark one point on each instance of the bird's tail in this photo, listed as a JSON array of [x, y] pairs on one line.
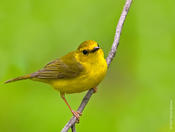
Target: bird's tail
[[19, 78]]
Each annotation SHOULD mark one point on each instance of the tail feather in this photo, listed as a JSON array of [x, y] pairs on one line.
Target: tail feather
[[19, 78]]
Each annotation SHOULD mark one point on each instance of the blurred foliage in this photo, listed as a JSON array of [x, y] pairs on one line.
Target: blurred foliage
[[135, 95]]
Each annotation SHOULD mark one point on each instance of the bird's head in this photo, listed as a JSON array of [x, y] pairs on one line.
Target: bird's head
[[89, 51]]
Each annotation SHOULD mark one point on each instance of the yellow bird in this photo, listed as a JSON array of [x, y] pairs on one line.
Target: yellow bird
[[75, 72]]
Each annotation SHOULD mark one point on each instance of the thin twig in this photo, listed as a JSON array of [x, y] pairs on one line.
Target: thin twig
[[110, 57], [73, 128], [118, 32]]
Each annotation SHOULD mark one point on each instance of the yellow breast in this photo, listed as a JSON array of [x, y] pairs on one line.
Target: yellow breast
[[90, 78]]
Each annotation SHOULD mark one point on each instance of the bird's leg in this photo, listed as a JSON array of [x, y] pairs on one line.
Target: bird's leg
[[95, 89], [77, 114]]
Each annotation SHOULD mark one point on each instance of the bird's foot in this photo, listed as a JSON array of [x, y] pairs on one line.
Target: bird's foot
[[77, 114]]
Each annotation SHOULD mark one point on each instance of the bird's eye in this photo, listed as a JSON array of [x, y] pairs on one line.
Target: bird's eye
[[85, 52]]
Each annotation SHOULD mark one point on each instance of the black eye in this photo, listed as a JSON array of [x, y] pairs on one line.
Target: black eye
[[85, 52]]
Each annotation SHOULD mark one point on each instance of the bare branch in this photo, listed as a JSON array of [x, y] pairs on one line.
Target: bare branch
[[73, 128], [110, 57], [118, 32]]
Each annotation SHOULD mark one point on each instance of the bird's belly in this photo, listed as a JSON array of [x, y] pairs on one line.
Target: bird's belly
[[79, 84]]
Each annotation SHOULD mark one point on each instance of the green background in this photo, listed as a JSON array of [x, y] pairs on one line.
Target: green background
[[135, 95]]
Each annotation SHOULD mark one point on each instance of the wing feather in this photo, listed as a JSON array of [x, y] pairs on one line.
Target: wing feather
[[67, 67]]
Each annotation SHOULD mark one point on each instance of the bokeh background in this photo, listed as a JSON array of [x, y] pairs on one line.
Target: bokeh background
[[136, 93]]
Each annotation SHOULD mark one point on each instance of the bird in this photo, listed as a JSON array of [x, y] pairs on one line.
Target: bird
[[77, 71]]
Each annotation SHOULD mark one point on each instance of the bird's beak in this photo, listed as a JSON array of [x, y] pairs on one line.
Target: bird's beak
[[95, 49]]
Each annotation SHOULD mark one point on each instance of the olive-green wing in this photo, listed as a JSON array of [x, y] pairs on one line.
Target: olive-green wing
[[64, 68]]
